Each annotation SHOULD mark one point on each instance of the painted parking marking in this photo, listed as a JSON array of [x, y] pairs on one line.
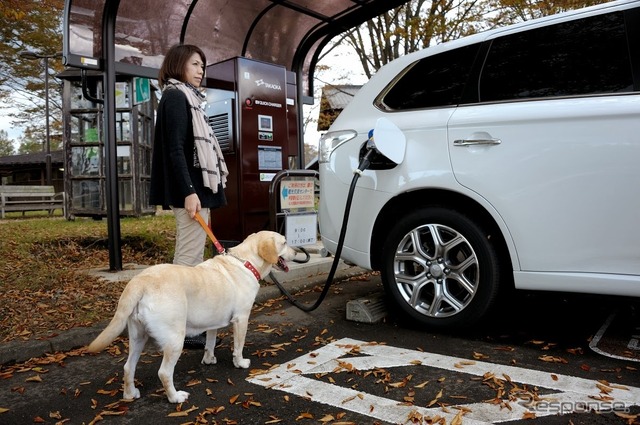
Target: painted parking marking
[[632, 345], [568, 392]]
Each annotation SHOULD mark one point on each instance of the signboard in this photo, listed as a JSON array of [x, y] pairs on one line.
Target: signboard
[[301, 229], [297, 194], [121, 95], [141, 90]]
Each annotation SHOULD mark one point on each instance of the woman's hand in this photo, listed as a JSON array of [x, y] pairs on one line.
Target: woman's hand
[[192, 204]]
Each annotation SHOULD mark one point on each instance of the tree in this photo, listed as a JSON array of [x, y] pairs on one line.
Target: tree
[[411, 27], [33, 25], [420, 23], [6, 144], [310, 153], [33, 141], [28, 144], [510, 11]]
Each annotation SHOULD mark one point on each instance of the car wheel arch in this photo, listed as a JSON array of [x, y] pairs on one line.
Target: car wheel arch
[[396, 207]]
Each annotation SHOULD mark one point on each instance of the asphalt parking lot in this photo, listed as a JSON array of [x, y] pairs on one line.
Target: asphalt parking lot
[[534, 360]]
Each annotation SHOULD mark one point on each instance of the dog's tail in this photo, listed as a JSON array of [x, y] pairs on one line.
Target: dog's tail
[[128, 301]]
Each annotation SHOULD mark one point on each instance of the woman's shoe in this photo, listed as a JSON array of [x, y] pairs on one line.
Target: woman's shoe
[[195, 341]]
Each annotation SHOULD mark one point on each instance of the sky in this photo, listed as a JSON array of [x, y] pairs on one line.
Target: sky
[[5, 124]]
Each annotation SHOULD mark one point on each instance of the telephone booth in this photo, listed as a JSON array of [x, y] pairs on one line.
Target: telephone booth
[[84, 146]]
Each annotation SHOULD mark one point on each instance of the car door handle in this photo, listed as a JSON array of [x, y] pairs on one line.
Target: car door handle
[[481, 138]]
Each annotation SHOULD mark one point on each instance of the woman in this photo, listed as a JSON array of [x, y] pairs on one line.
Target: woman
[[188, 172]]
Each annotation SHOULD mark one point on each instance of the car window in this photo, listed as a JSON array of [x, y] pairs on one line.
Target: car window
[[581, 57], [436, 80]]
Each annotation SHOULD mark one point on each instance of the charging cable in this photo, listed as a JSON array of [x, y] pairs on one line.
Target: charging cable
[[364, 164]]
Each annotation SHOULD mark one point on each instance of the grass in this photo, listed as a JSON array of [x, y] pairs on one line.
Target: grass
[[42, 284]]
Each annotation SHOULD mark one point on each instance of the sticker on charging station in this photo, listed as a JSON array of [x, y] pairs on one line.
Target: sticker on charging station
[[300, 229], [297, 194]]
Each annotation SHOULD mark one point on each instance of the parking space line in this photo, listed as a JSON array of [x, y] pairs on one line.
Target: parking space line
[[598, 336], [568, 393]]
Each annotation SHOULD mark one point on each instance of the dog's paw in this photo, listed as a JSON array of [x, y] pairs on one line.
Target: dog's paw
[[209, 358], [178, 397], [131, 395], [241, 363]]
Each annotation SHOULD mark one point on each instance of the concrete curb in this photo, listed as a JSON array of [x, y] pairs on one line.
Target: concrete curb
[[300, 277]]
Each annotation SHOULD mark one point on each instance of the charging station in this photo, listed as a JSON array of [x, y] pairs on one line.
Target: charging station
[[251, 108]]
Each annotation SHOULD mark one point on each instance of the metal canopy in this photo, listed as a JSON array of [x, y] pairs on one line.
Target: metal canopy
[[290, 33], [130, 37]]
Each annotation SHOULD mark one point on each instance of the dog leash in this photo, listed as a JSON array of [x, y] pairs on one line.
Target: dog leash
[[221, 249], [206, 228]]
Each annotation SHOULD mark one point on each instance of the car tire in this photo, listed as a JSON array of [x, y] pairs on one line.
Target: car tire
[[440, 268]]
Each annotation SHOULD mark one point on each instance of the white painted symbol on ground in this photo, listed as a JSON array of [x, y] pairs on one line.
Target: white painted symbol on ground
[[633, 343], [566, 391]]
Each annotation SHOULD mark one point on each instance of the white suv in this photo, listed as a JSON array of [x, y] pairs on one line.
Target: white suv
[[522, 167]]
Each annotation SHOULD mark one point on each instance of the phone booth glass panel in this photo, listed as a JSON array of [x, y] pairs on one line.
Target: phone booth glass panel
[[85, 147]]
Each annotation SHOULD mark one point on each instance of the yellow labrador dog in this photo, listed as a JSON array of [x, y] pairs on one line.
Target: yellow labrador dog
[[167, 302]]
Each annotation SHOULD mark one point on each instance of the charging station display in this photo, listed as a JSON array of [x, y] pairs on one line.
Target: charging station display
[[270, 158]]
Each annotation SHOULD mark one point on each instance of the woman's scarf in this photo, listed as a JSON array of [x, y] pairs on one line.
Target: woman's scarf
[[207, 155]]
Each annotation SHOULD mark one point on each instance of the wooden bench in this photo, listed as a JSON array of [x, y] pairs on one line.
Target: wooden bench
[[30, 198]]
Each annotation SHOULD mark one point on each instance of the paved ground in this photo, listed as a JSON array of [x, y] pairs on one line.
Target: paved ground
[[527, 365]]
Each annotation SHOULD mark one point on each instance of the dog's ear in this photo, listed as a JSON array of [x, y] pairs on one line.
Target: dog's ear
[[268, 251]]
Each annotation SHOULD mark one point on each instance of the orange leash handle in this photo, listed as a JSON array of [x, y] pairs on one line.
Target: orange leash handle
[[210, 233]]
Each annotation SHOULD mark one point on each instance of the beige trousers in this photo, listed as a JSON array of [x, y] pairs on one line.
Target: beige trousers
[[190, 237]]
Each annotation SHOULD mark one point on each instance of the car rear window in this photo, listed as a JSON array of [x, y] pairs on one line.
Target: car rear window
[[581, 57]]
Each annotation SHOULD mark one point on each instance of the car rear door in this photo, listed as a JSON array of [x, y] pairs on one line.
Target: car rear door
[[554, 145]]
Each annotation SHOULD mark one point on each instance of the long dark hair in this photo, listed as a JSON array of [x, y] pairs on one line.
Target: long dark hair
[[175, 62]]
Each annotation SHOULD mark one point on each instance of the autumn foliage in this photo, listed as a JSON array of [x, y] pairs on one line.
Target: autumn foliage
[[43, 281]]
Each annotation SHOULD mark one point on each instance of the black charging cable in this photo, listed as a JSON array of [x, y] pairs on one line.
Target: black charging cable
[[364, 164]]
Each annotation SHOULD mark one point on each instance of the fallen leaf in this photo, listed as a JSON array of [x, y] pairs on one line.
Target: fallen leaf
[[457, 420], [398, 384], [113, 412], [435, 400], [183, 412], [304, 415], [504, 348], [36, 378], [348, 399], [107, 392], [626, 415], [552, 359], [19, 390]]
